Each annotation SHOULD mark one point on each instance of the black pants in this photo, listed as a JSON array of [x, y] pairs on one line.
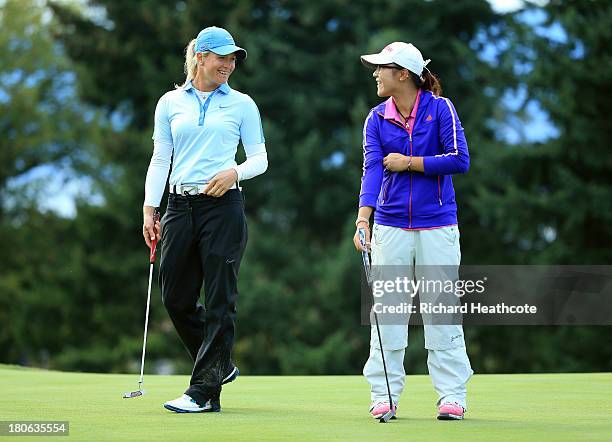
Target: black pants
[[203, 239]]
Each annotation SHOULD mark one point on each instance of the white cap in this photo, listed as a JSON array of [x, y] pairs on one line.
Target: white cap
[[403, 54]]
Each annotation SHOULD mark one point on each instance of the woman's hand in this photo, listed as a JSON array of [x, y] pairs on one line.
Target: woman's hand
[[221, 183], [396, 162], [150, 229], [362, 225], [363, 222]]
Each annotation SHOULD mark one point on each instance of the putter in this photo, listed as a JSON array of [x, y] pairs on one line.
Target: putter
[[140, 390], [366, 267]]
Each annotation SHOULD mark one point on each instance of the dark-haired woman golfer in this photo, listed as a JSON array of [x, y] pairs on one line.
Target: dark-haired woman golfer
[[412, 145]]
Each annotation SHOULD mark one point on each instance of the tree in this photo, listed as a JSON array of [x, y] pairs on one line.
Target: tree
[[45, 132], [85, 278], [299, 300], [551, 202]]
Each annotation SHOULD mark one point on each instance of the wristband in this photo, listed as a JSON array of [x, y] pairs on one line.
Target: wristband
[[361, 219], [409, 163]]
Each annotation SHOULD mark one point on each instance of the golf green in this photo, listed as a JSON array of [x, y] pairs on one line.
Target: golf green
[[502, 407]]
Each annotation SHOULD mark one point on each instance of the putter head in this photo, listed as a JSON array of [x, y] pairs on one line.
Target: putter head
[[132, 394], [387, 416]]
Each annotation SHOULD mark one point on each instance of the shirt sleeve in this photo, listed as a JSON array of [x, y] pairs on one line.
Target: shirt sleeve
[[251, 130], [255, 164], [455, 157], [157, 174], [161, 129], [371, 179]]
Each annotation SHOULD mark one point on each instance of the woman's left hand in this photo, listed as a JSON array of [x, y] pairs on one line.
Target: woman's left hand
[[396, 162], [221, 183]]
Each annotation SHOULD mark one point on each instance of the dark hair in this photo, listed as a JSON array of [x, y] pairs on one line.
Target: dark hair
[[429, 82]]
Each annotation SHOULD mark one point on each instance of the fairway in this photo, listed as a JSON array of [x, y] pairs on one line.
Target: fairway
[[502, 407]]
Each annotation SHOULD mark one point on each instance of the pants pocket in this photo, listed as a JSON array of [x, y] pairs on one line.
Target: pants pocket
[[162, 223], [451, 235]]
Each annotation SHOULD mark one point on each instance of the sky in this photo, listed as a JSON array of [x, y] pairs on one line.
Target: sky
[[511, 5]]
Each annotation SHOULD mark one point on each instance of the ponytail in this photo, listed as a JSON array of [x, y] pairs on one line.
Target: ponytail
[[431, 82], [428, 82], [191, 64]]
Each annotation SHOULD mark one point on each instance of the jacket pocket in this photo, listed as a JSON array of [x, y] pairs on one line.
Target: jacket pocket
[[385, 196], [394, 139]]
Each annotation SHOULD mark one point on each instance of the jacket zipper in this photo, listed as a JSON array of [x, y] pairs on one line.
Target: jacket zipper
[[386, 189], [410, 198], [439, 191], [410, 201]]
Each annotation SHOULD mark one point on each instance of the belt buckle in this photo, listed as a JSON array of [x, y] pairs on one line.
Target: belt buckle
[[190, 190]]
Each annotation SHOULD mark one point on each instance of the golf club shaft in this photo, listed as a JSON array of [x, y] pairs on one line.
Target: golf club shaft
[[144, 342], [366, 261], [382, 354]]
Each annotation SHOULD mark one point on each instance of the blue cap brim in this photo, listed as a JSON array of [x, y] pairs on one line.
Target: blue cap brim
[[230, 49]]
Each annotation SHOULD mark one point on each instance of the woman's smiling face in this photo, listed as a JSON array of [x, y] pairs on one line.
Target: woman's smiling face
[[387, 79], [218, 68]]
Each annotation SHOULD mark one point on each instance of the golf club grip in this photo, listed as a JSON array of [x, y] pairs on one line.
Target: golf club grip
[[156, 218], [362, 236]]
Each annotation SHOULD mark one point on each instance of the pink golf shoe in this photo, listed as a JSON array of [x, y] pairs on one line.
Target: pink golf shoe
[[379, 408], [450, 411]]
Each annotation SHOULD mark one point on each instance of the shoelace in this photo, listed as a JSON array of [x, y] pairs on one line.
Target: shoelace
[[192, 400], [377, 404], [189, 399]]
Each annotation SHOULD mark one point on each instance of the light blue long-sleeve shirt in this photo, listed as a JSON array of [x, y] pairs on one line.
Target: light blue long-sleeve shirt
[[204, 134]]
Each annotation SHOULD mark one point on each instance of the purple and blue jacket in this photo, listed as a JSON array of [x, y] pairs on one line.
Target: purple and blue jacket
[[414, 200]]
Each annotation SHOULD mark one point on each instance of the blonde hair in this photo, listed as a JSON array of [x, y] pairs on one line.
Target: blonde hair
[[191, 63]]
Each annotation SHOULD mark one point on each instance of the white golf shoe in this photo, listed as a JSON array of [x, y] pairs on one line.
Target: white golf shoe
[[186, 404]]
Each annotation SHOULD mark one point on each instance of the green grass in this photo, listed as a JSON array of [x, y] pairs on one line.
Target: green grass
[[502, 407]]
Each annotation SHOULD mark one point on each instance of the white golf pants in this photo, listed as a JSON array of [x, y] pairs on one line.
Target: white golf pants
[[447, 361]]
